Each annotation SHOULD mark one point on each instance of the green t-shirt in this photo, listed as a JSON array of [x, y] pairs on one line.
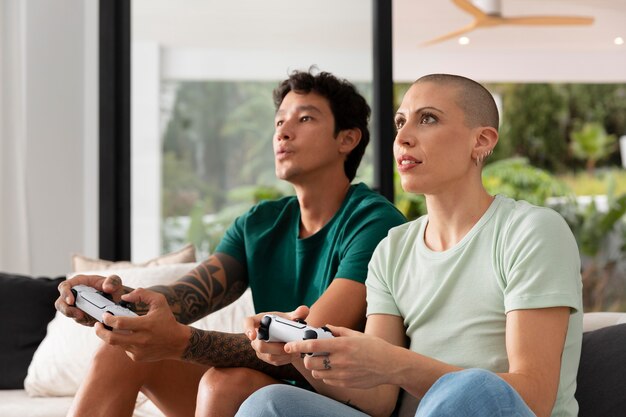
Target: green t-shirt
[[454, 302], [285, 271]]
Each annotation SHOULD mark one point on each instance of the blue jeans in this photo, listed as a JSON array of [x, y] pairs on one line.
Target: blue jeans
[[472, 392]]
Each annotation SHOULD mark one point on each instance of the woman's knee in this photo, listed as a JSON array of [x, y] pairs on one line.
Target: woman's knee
[[471, 389]]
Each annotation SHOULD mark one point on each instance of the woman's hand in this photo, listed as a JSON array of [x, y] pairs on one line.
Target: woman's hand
[[354, 360]]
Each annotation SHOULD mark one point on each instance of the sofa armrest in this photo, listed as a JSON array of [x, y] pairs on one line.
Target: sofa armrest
[[598, 320]]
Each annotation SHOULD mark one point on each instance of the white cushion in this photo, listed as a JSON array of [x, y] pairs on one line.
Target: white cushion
[[597, 320], [16, 403]]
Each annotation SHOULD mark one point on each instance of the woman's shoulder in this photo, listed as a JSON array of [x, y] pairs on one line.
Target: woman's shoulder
[[522, 220]]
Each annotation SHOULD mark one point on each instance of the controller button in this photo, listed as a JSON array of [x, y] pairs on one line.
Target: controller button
[[126, 304], [106, 295], [265, 321], [301, 321], [326, 329], [263, 333], [310, 334]]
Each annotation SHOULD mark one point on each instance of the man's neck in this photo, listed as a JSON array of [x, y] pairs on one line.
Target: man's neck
[[319, 203]]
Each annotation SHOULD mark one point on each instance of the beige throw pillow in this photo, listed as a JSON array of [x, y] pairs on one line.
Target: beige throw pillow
[[81, 263]]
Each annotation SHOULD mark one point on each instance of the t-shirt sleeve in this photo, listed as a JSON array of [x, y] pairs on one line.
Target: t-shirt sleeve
[[233, 243], [541, 263], [365, 232], [379, 295]]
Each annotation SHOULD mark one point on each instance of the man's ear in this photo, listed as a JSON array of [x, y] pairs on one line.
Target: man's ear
[[349, 139]]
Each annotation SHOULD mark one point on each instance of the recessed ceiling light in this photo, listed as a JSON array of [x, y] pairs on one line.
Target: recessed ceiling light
[[618, 41], [464, 40]]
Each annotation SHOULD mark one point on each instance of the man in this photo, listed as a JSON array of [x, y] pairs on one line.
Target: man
[[310, 249], [487, 289]]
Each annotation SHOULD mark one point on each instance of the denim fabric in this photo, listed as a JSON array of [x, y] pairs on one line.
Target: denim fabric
[[472, 392], [289, 401]]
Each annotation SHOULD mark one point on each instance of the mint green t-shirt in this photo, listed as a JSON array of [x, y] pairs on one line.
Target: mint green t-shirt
[[285, 271], [454, 302]]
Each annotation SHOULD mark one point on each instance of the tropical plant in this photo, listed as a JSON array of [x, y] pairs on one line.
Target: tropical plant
[[591, 143]]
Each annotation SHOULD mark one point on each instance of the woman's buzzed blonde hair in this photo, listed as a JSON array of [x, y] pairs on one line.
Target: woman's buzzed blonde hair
[[473, 98]]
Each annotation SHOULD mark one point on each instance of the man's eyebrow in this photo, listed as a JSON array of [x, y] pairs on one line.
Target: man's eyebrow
[[304, 107]]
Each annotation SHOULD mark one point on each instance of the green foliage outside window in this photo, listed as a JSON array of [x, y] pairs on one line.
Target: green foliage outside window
[[591, 143]]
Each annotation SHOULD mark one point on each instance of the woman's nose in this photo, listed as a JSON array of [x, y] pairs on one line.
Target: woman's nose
[[404, 138]]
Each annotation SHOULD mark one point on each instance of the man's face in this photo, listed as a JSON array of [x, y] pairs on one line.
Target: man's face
[[433, 145], [304, 140]]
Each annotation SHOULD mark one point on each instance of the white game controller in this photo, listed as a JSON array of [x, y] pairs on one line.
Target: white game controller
[[278, 329], [96, 303]]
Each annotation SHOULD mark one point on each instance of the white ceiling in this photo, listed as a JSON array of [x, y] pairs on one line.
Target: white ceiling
[[299, 32], [524, 53]]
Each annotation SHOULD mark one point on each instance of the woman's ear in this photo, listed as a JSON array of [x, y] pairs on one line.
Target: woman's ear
[[349, 139], [486, 140]]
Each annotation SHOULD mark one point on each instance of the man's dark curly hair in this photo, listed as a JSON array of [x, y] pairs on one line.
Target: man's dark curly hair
[[349, 108]]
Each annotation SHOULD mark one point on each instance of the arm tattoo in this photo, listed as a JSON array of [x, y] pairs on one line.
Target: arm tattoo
[[231, 350], [213, 284]]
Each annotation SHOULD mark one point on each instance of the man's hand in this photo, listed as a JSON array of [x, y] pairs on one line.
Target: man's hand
[[155, 336], [272, 353], [65, 303]]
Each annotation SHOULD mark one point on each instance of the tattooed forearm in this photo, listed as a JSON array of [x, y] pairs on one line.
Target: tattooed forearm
[[231, 350], [213, 284]]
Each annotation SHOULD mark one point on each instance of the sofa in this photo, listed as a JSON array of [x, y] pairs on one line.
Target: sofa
[[44, 355]]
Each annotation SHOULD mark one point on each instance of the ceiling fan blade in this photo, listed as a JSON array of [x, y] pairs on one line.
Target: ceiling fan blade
[[451, 35], [470, 8], [548, 20]]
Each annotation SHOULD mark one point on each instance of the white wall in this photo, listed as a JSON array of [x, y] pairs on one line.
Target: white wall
[[48, 147]]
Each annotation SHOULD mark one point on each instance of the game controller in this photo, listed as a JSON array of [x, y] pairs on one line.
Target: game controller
[[96, 303], [278, 329]]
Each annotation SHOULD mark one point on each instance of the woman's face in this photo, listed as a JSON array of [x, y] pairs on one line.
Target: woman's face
[[433, 145]]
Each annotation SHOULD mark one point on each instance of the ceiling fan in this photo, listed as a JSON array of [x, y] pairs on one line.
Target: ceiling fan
[[488, 13]]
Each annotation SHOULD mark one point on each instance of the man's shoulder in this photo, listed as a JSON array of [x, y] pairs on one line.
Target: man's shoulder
[[364, 198], [272, 207], [367, 209]]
